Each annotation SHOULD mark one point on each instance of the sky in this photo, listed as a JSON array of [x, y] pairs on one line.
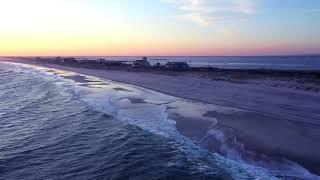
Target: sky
[[159, 27]]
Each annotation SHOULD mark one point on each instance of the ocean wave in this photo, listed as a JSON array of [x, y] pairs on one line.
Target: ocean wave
[[151, 110]]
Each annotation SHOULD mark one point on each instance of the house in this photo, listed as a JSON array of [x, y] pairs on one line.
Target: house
[[142, 63], [70, 60], [87, 61], [114, 63], [177, 66]]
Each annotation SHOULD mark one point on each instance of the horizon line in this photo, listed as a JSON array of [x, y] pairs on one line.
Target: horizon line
[[262, 55]]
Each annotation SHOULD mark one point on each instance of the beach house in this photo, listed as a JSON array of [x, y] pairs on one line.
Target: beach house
[[141, 63]]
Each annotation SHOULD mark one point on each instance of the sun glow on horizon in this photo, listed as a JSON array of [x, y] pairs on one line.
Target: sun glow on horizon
[[155, 27]]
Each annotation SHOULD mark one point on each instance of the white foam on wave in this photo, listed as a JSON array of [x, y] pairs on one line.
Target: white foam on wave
[[152, 115]]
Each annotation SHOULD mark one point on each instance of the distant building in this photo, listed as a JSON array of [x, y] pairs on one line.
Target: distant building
[[70, 60], [60, 60], [86, 61], [142, 63], [177, 66], [114, 63]]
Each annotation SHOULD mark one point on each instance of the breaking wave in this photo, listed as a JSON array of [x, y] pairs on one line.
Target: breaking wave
[[63, 124]]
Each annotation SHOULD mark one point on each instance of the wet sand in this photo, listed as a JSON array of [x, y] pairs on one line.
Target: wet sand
[[296, 139], [281, 122], [121, 89], [275, 137], [84, 81], [255, 136], [137, 101], [78, 78]]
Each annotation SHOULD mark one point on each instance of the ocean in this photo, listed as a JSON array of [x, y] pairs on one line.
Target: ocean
[[299, 62], [62, 125]]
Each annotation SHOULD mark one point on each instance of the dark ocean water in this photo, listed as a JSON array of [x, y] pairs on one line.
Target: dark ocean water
[[46, 133], [49, 129]]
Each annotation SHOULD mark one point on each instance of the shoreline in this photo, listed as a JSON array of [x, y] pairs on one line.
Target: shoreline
[[244, 135], [172, 84]]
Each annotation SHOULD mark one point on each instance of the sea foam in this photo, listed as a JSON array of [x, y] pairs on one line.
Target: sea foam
[[151, 114]]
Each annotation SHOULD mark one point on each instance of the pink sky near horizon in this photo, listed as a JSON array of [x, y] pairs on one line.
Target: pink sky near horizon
[[168, 51], [172, 28]]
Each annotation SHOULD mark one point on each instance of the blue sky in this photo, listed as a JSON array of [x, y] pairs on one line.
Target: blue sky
[[160, 27]]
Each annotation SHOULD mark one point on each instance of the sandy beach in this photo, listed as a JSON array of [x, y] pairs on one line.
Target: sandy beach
[[280, 122], [280, 101]]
